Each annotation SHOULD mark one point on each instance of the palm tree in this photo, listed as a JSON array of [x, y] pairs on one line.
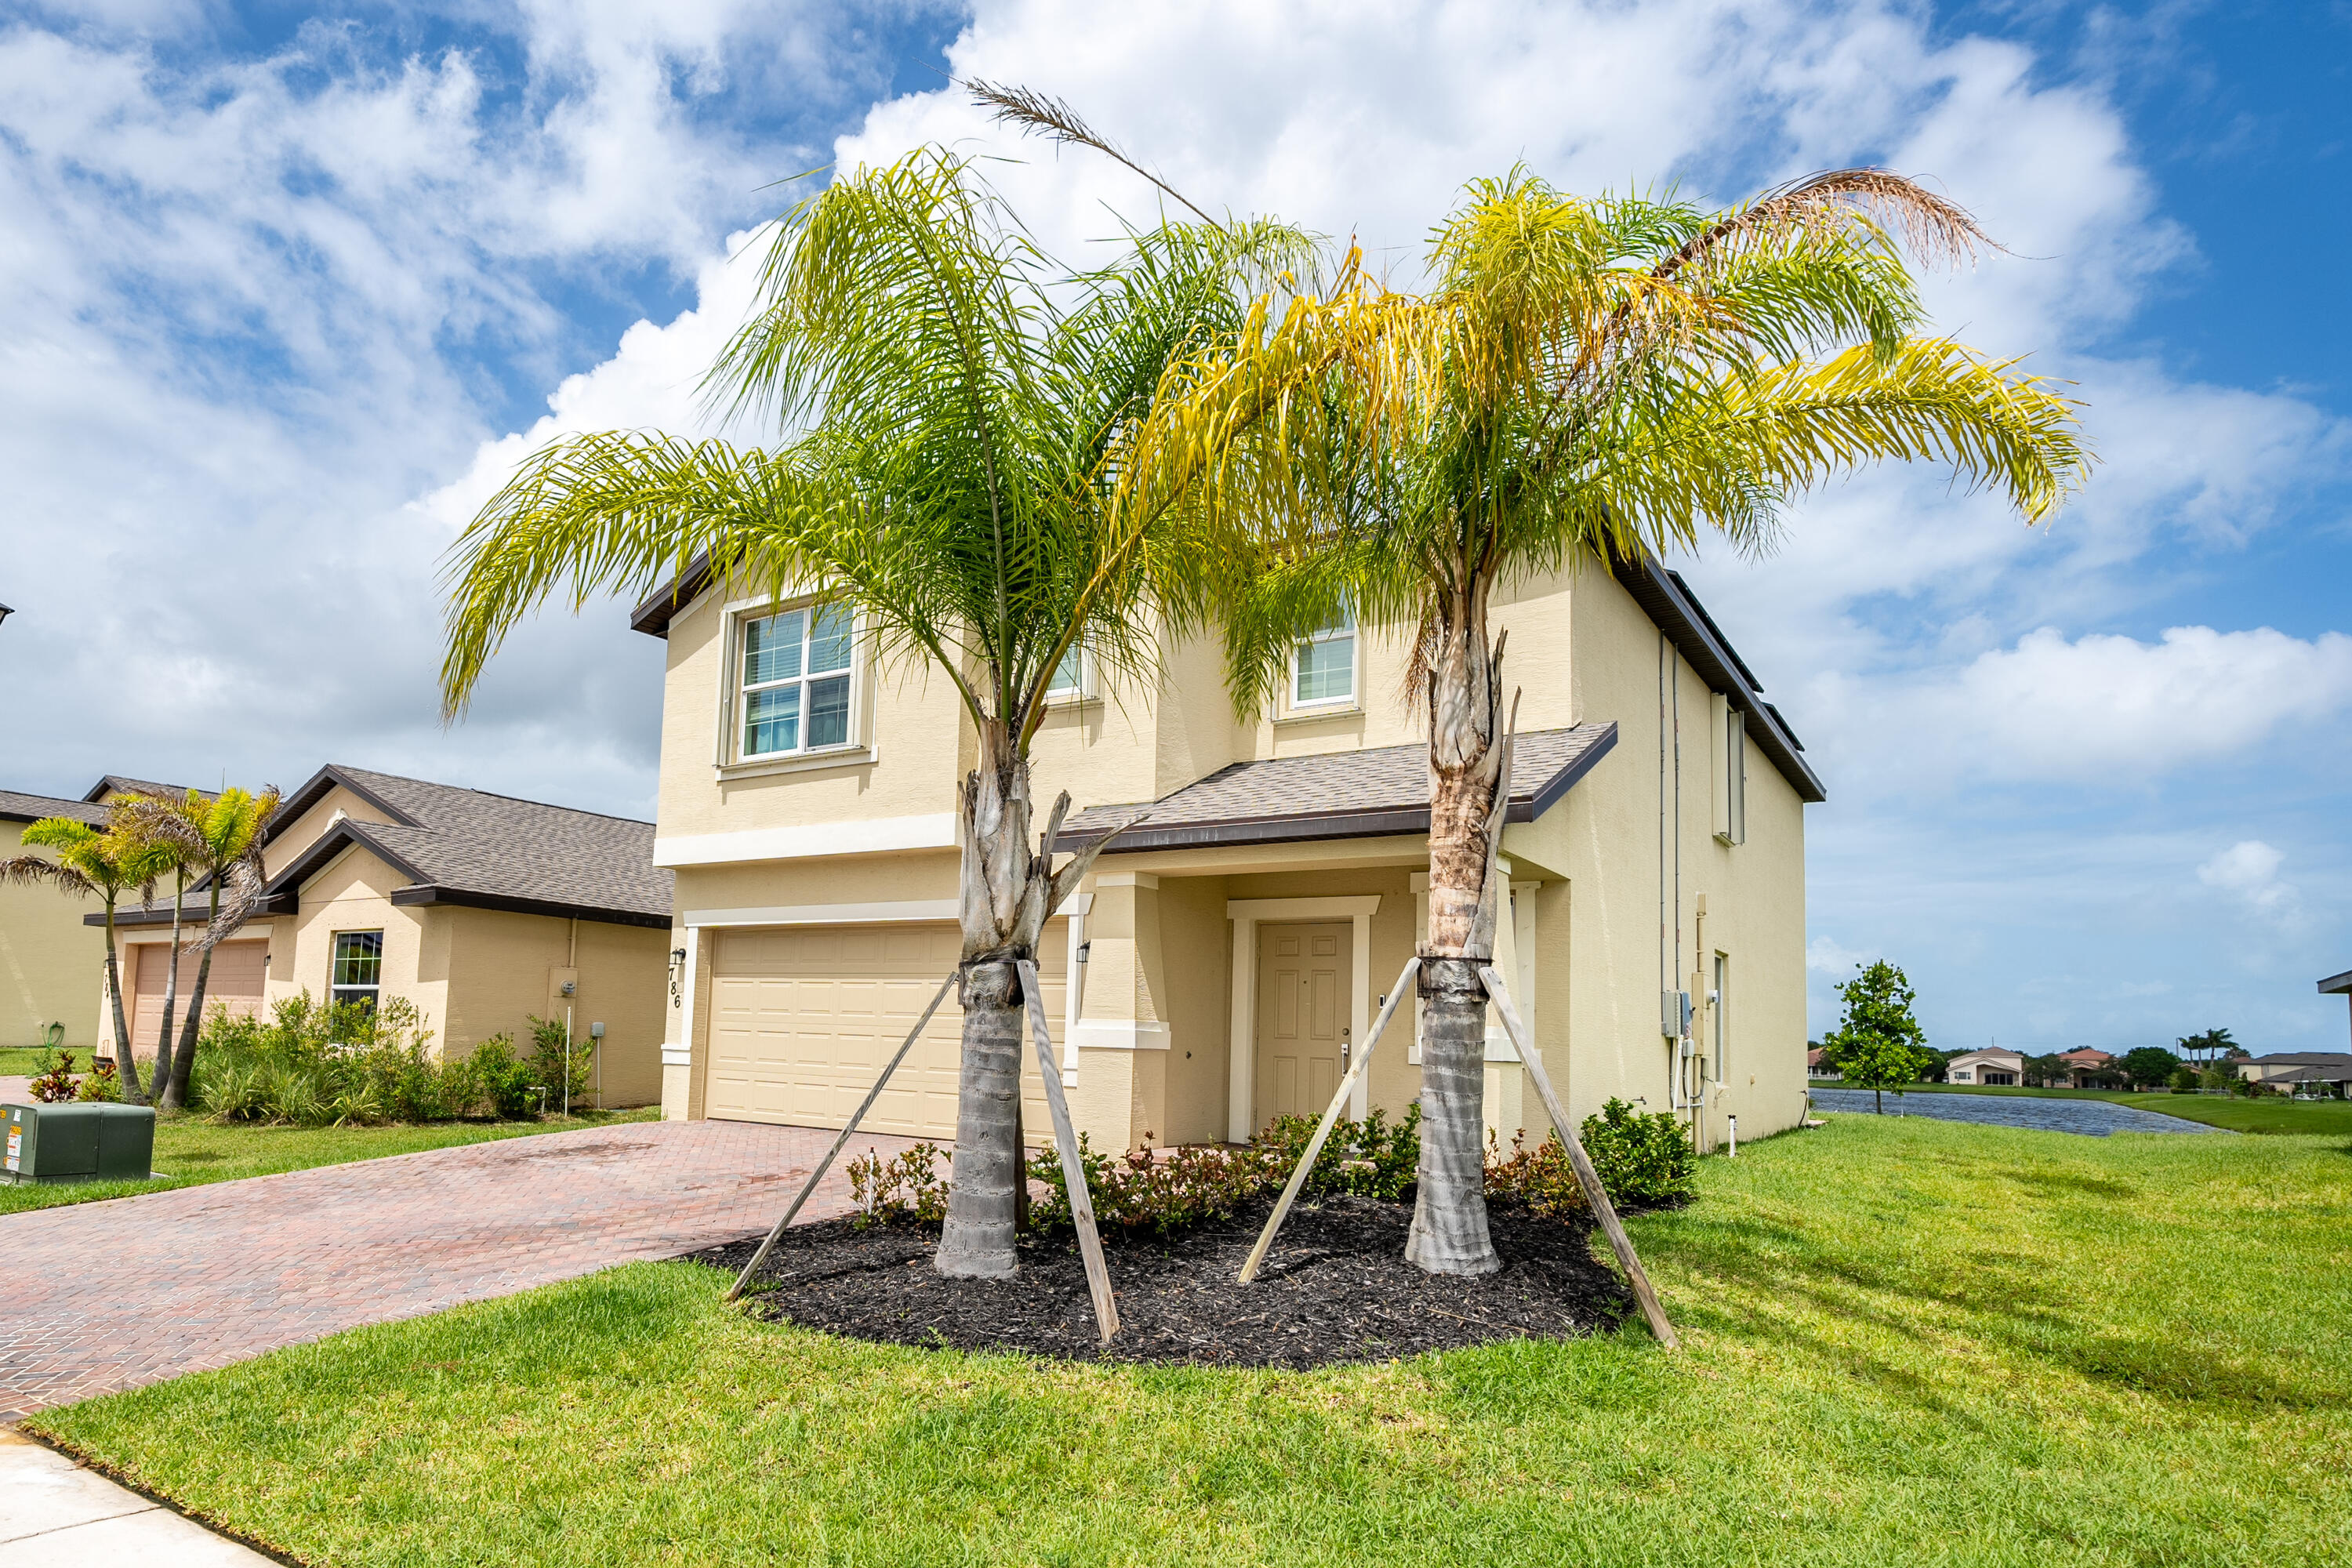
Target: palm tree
[[1590, 379], [92, 864], [1001, 462], [219, 839]]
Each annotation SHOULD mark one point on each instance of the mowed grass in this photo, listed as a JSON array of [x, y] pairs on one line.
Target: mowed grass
[[22, 1061], [2268, 1114], [1909, 1341], [191, 1151]]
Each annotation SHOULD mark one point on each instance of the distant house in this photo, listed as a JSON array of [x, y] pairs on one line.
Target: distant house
[[1990, 1066], [2298, 1071], [2085, 1065], [1817, 1065], [50, 963], [481, 908]]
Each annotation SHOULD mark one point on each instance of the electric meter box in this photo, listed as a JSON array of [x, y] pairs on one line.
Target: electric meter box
[[76, 1141]]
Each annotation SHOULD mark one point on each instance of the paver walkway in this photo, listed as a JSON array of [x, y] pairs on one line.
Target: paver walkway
[[104, 1296], [2096, 1118]]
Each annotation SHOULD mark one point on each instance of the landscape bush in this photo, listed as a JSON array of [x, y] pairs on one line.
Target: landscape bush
[[558, 1054], [101, 1085], [55, 1080], [1374, 1158], [1642, 1159], [1149, 1194], [907, 1189], [311, 1064]]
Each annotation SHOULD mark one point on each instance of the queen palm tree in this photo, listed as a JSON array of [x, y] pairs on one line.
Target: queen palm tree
[[219, 841], [1590, 379], [93, 864], [996, 462]]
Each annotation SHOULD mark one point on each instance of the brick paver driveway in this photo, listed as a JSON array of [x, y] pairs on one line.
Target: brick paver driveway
[[112, 1295]]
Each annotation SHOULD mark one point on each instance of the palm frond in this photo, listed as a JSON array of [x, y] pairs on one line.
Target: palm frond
[[1040, 115]]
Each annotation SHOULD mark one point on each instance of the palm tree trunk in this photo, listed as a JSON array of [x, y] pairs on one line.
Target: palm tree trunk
[[171, 996], [1002, 909], [184, 1063], [1468, 751], [129, 1064]]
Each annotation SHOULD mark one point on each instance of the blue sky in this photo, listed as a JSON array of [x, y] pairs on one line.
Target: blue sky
[[295, 286]]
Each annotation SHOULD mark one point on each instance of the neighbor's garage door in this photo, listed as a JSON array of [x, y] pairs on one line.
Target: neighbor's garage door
[[235, 981], [803, 1019]]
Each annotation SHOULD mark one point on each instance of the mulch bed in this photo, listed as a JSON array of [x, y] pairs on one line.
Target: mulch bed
[[1336, 1288]]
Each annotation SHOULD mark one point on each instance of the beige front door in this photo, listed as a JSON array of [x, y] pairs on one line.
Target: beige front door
[[802, 1018], [1304, 983]]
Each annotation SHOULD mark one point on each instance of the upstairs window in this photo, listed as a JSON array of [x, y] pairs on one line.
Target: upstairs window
[[1323, 667], [357, 971], [1069, 682], [796, 682]]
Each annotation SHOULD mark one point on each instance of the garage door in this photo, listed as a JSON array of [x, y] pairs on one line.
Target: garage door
[[803, 1019], [238, 968]]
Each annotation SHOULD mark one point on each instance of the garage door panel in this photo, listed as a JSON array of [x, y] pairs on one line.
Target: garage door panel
[[802, 1021], [238, 970]]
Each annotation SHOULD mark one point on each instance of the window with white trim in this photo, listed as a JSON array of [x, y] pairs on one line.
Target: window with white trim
[[1069, 682], [795, 681], [1323, 665], [357, 974]]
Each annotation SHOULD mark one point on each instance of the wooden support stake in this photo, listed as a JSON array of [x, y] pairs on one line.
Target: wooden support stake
[[744, 1279], [1074, 1171], [1586, 1176], [1323, 1129]]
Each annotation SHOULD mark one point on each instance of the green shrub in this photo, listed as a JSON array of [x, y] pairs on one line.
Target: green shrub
[[508, 1088], [550, 1066], [1374, 1158], [294, 1093], [905, 1189], [231, 1091], [102, 1084], [1642, 1159]]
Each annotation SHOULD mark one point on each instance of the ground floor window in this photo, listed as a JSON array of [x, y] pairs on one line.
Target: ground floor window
[[357, 971]]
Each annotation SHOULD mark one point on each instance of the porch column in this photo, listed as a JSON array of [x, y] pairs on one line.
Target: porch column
[[1121, 1036]]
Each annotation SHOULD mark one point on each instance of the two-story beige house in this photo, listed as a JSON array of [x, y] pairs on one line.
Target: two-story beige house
[[1227, 955]]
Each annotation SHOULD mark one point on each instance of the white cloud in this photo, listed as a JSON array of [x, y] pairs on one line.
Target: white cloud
[[2249, 869], [1826, 955]]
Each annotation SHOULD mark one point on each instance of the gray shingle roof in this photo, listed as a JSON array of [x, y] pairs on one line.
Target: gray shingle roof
[[121, 785], [1335, 795], [467, 846], [2306, 1059], [15, 807]]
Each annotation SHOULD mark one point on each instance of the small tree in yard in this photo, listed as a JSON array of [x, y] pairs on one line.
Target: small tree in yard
[[1879, 1045], [2148, 1065], [104, 865]]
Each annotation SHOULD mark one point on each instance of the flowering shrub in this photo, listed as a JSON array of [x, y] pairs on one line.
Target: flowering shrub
[[1156, 1194], [1374, 1158], [906, 1188]]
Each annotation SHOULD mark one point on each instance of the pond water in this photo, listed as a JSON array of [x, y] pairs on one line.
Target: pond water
[[2095, 1118]]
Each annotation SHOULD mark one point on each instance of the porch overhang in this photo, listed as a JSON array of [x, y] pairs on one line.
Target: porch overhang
[[1382, 793]]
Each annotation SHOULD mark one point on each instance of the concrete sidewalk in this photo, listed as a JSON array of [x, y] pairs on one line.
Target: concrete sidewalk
[[56, 1514]]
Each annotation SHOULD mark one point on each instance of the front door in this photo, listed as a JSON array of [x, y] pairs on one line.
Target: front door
[[1304, 981]]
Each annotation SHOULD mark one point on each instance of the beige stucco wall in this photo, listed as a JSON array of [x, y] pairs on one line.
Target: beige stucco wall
[[498, 967], [287, 843], [1609, 929], [51, 966]]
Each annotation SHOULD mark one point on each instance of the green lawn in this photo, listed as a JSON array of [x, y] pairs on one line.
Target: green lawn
[[1910, 1342], [2268, 1114], [190, 1151], [23, 1061]]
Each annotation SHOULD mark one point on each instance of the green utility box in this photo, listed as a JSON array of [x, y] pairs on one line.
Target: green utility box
[[78, 1141]]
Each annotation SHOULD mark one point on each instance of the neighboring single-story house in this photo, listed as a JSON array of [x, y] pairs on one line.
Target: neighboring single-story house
[[2084, 1064], [1224, 960], [2283, 1069], [48, 956], [481, 908], [1817, 1065], [1995, 1064]]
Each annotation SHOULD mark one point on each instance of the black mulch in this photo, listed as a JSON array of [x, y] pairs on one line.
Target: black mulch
[[1336, 1288]]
